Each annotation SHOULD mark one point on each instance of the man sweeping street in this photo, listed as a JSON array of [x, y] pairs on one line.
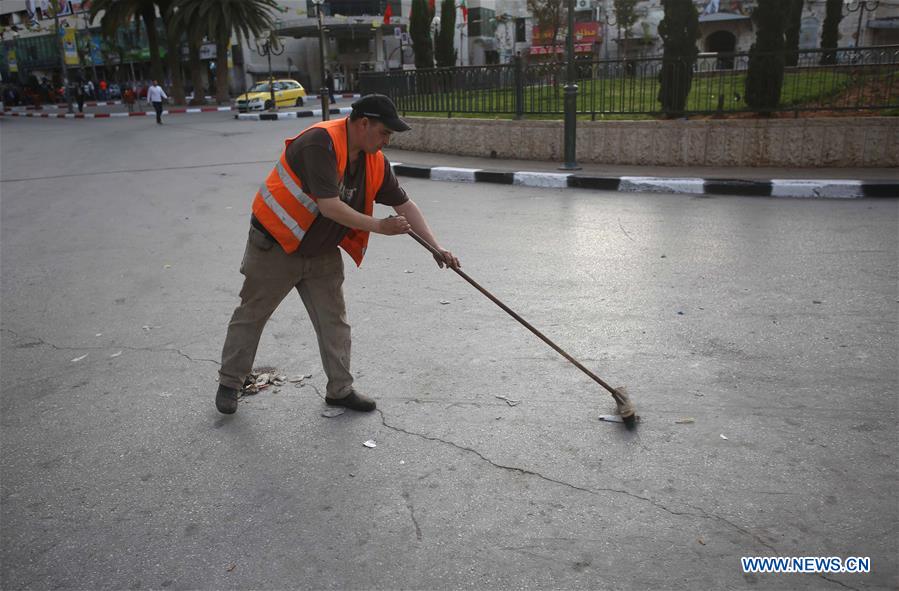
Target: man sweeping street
[[319, 196]]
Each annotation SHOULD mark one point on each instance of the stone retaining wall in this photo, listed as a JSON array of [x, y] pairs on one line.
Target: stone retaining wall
[[804, 142]]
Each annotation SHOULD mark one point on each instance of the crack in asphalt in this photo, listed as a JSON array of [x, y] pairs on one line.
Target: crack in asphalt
[[40, 341], [838, 583], [412, 514], [702, 512]]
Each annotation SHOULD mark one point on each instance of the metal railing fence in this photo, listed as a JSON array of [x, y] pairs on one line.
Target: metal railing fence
[[864, 78]]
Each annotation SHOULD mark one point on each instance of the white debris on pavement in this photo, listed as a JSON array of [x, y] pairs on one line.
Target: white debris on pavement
[[611, 418], [509, 401]]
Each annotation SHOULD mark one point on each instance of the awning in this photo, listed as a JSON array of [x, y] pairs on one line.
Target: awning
[[336, 26], [548, 49], [720, 17], [883, 23]]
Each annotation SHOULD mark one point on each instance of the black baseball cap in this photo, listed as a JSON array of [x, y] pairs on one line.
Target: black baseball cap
[[380, 108]]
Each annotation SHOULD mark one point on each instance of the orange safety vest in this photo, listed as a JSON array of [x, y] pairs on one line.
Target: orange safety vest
[[287, 212]]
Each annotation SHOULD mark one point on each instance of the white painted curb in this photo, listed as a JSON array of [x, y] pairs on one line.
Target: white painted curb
[[833, 189], [551, 180], [453, 175], [642, 184]]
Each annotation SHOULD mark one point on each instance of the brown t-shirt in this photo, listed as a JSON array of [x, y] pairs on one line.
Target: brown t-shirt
[[311, 157]]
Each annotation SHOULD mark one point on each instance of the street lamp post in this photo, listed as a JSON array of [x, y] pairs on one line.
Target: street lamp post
[[861, 6], [271, 46], [323, 91], [62, 56], [90, 45], [570, 97]]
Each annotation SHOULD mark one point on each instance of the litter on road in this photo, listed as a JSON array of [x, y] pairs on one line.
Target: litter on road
[[77, 359], [509, 401], [333, 412], [370, 443]]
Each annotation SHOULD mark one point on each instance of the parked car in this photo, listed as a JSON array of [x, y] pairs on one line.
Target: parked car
[[288, 93]]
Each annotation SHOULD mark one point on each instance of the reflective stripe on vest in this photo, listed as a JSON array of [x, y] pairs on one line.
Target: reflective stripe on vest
[[287, 212]]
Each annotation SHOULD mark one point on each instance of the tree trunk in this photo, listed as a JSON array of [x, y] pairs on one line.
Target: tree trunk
[[794, 27], [765, 75], [149, 16], [830, 32], [173, 57], [221, 70], [679, 30], [196, 75]]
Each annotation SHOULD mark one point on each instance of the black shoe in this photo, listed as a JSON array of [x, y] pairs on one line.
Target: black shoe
[[226, 400], [354, 400]]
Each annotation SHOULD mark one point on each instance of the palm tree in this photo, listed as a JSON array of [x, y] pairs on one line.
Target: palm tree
[[219, 19], [186, 24], [118, 13], [173, 48]]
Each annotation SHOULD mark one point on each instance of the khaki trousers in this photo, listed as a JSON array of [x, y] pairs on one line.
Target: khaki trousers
[[269, 275]]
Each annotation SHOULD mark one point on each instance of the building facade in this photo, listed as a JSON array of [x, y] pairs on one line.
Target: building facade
[[358, 37]]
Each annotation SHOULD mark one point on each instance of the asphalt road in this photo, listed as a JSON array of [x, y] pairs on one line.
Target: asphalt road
[[769, 322]]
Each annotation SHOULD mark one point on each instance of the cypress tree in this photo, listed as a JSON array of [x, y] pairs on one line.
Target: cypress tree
[[794, 25], [679, 30], [446, 53], [420, 30], [830, 33], [765, 77]]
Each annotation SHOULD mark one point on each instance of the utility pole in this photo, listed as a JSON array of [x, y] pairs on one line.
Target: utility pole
[[570, 98], [62, 55], [90, 45], [323, 91]]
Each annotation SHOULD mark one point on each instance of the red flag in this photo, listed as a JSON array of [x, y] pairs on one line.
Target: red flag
[[464, 12], [388, 14]]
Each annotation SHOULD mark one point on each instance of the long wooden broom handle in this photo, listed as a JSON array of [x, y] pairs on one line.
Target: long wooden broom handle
[[524, 322]]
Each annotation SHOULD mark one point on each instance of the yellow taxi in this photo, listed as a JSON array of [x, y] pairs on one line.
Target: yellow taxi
[[288, 93]]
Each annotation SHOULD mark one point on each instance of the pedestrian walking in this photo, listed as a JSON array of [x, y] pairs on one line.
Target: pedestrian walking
[[155, 95], [90, 90], [319, 195], [79, 97], [329, 82], [128, 99], [102, 85]]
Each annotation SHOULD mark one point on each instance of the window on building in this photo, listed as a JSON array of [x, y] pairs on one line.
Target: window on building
[[520, 31], [480, 22], [350, 8]]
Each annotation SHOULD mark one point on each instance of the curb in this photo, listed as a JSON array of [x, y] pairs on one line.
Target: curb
[[66, 106], [290, 114], [789, 188], [178, 111], [62, 106], [349, 95]]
